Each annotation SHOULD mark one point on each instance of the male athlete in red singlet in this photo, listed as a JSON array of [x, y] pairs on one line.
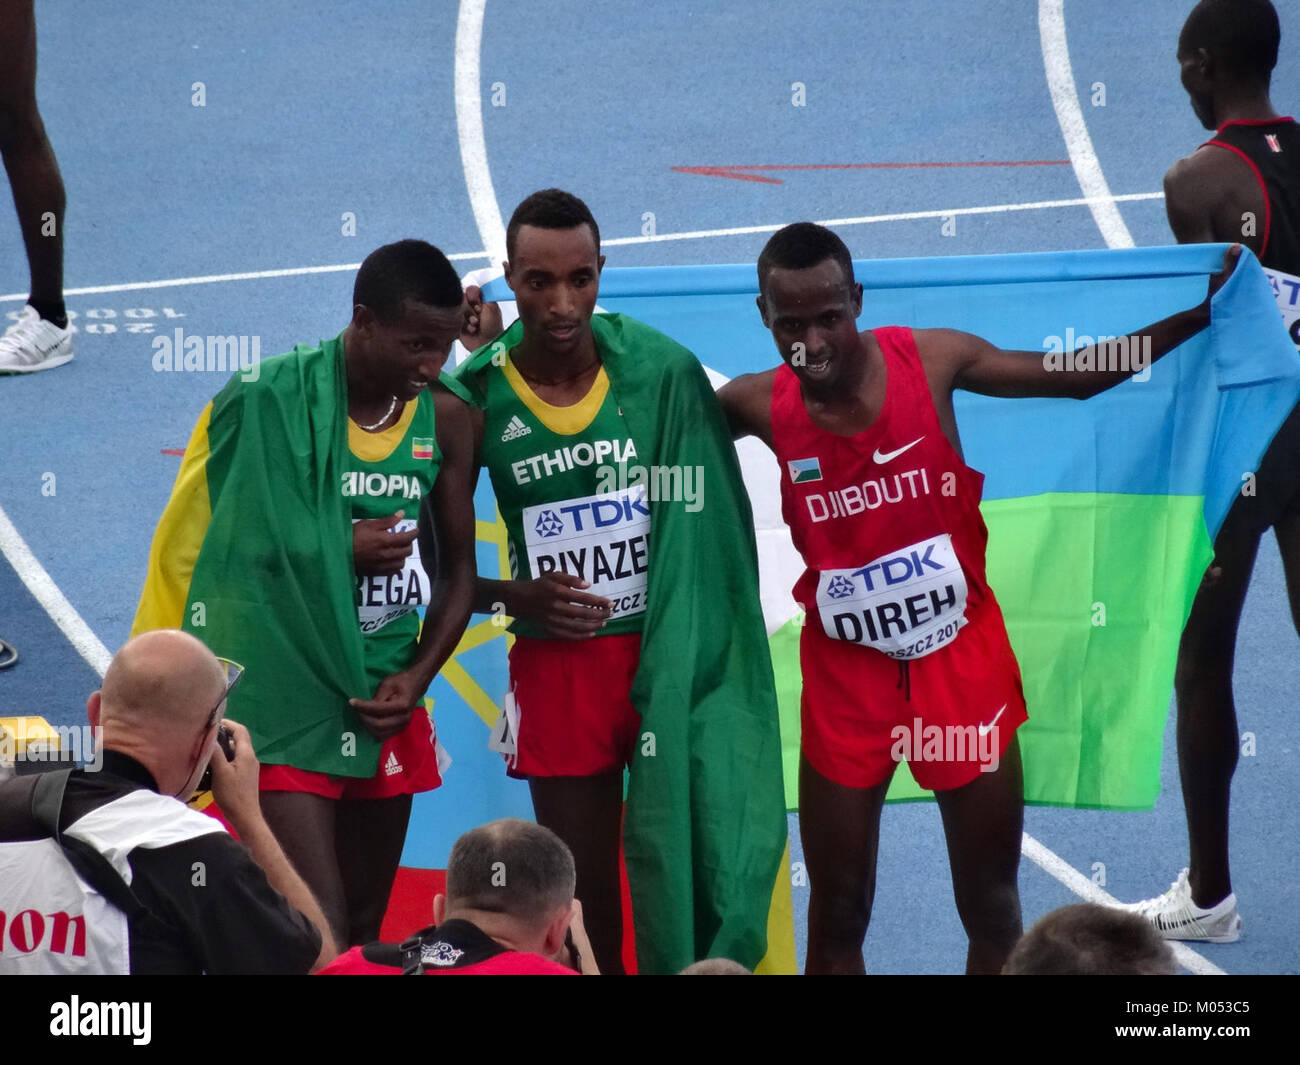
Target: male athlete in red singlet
[[904, 651], [1244, 185]]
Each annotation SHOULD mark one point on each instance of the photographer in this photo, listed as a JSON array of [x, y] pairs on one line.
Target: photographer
[[509, 911], [110, 872]]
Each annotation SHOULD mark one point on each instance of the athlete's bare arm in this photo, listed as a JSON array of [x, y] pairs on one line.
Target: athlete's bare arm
[[453, 499], [953, 359], [1211, 196], [747, 402], [554, 602]]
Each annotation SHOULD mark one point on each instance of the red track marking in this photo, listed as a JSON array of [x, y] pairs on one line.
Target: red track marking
[[173, 451], [736, 171]]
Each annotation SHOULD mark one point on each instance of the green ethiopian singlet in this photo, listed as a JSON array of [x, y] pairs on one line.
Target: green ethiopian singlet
[[387, 472], [561, 482]]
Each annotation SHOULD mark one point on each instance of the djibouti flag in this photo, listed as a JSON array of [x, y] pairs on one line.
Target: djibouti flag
[[803, 471]]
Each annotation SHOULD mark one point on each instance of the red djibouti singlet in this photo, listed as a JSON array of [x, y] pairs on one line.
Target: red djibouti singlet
[[887, 521]]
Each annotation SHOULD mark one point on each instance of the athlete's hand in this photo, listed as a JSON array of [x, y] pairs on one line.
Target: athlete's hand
[[1217, 281], [482, 320], [556, 604], [234, 783], [398, 696], [376, 552]]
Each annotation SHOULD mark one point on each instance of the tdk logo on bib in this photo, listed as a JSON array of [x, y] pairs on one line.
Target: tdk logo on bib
[[602, 538], [906, 604], [548, 524], [840, 587]]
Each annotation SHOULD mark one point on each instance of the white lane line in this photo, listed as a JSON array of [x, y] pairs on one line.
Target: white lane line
[[47, 593], [696, 234], [903, 216], [213, 279], [1060, 81], [1056, 866], [469, 130]]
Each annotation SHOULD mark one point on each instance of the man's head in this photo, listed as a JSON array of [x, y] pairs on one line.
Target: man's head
[[553, 267], [515, 881], [715, 967], [161, 703], [406, 312], [1228, 48], [1090, 940], [810, 302]]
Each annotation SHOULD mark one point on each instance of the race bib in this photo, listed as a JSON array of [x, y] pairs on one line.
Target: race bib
[[1286, 290], [381, 600], [906, 604], [602, 538]]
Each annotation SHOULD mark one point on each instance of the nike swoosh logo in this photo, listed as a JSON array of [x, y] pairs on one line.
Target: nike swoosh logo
[[881, 457], [1170, 926], [984, 729]]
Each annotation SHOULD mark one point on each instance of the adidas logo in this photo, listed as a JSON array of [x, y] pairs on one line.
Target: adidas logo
[[392, 766], [515, 430]]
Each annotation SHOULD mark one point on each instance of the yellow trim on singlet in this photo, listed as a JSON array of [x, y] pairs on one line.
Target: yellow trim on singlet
[[566, 421], [375, 447]]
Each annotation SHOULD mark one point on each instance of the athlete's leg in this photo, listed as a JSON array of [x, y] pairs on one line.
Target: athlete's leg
[[1288, 543], [1207, 716], [840, 830], [368, 838], [587, 813], [304, 825], [983, 822], [29, 159]]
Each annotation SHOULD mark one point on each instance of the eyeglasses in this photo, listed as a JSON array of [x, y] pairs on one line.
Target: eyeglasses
[[233, 671]]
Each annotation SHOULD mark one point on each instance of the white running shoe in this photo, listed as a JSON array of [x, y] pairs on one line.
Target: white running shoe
[[1175, 916], [32, 344]]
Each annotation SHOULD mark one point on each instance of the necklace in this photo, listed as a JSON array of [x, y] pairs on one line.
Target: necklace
[[562, 380], [387, 414]]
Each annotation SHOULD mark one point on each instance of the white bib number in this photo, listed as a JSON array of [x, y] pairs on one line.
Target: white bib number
[[906, 604], [381, 600], [1286, 290], [602, 538]]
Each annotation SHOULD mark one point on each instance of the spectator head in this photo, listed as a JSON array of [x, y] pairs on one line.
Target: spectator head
[[514, 880], [161, 704], [1090, 940], [715, 967]]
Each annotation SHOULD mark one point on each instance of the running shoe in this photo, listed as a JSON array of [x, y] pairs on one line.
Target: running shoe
[[1175, 916], [32, 344]]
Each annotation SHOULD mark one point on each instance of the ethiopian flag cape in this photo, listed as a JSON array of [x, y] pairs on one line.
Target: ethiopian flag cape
[[705, 824], [253, 555]]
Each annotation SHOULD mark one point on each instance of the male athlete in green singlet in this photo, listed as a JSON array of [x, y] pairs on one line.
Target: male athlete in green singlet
[[357, 429], [565, 399]]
